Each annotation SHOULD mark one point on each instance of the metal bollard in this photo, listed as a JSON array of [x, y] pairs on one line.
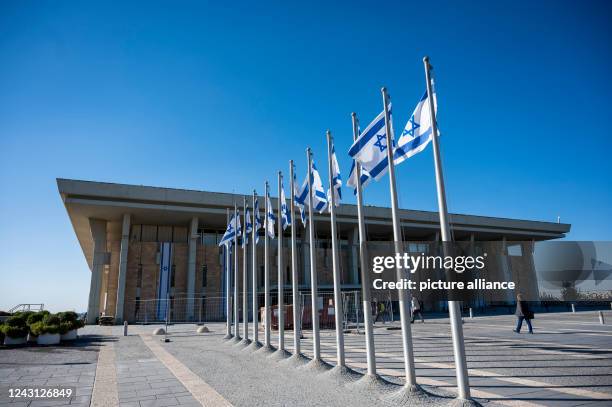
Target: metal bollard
[[601, 318], [574, 308], [471, 313], [125, 325]]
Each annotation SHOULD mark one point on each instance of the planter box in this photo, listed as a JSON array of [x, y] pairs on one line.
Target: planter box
[[70, 335], [48, 339], [32, 338], [15, 341]]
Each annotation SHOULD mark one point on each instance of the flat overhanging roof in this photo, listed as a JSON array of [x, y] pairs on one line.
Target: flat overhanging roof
[[158, 206]]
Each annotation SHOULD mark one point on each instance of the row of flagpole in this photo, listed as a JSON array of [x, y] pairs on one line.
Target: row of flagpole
[[372, 158]]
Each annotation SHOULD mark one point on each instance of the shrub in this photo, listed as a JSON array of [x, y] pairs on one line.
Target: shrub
[[14, 331], [40, 328], [36, 317], [71, 320], [51, 319], [16, 321]]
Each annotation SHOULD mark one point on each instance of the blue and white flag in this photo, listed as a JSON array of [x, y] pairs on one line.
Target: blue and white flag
[[319, 198], [336, 185], [258, 224], [352, 179], [417, 133], [285, 215], [370, 148], [230, 232], [299, 198], [248, 229], [270, 218]]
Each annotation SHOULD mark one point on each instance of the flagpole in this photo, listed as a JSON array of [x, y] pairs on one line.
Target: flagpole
[[245, 284], [228, 305], [255, 299], [335, 260], [266, 275], [316, 340], [281, 279], [236, 316], [294, 271], [365, 280], [463, 385], [397, 237]]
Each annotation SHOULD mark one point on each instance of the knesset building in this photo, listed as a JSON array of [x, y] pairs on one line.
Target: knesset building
[[121, 229]]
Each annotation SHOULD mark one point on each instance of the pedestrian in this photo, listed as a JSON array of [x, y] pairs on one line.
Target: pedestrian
[[415, 307], [380, 312], [523, 312]]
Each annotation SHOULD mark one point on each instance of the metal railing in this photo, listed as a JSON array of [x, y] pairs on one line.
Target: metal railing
[[27, 307]]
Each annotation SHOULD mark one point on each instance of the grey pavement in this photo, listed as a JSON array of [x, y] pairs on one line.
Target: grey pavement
[[567, 362]]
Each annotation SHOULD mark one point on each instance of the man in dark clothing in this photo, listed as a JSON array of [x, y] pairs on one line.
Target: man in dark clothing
[[523, 312]]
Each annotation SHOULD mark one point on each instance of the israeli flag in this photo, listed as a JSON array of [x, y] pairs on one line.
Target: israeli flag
[[352, 179], [336, 179], [299, 198], [370, 148], [285, 214], [230, 232], [418, 131], [248, 227], [258, 224], [319, 198], [270, 219]]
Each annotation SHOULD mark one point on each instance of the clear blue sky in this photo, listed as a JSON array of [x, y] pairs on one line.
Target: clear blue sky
[[203, 96]]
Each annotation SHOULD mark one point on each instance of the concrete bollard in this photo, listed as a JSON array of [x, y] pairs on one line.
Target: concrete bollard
[[574, 308], [125, 325], [601, 318], [471, 313]]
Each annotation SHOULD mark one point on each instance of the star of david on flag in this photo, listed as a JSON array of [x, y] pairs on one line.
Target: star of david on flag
[[230, 232], [319, 198], [370, 148], [418, 131]]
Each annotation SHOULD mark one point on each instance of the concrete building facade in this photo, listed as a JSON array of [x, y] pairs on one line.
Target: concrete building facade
[[120, 229]]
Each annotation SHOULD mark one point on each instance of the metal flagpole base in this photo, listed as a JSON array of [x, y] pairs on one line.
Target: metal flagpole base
[[317, 365], [373, 382], [280, 354], [243, 343], [411, 395], [296, 360], [266, 349], [235, 339], [254, 346], [341, 375]]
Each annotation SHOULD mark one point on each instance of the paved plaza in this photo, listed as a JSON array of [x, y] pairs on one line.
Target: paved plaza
[[567, 362]]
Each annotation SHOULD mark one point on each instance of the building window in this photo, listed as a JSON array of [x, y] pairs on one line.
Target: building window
[[204, 275], [137, 307], [288, 278], [172, 275]]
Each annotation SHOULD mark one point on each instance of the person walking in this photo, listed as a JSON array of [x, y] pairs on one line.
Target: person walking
[[380, 311], [416, 309], [523, 312]]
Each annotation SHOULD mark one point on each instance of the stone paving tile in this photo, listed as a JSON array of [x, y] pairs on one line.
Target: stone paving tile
[[143, 379]]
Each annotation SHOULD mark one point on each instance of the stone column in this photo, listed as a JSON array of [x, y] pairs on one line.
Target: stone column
[[123, 260], [191, 268], [98, 233]]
